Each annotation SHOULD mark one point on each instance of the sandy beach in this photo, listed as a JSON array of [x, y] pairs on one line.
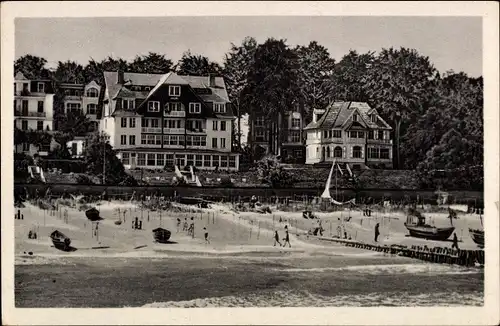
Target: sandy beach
[[241, 251]]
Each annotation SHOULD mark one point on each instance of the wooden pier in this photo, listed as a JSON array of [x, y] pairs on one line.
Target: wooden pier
[[435, 255]]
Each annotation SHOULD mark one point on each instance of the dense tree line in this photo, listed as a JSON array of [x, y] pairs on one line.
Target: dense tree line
[[437, 120]]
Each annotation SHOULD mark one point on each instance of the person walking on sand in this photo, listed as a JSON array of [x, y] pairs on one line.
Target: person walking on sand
[[191, 228], [178, 224], [185, 226], [287, 239], [455, 242], [276, 239], [377, 232], [206, 236]]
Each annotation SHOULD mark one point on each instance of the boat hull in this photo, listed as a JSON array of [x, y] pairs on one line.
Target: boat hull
[[477, 236], [161, 235], [429, 232]]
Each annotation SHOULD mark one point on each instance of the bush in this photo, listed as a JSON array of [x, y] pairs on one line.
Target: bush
[[82, 179], [272, 173], [226, 181]]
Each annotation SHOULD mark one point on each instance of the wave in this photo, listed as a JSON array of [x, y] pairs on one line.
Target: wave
[[307, 299]]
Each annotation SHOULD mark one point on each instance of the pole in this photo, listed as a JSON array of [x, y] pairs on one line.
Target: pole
[[104, 162]]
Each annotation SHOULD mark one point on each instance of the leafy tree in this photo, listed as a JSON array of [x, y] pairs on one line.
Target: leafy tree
[[399, 84], [69, 72], [316, 69], [197, 65], [94, 69], [100, 160], [152, 63], [32, 67], [21, 163], [348, 80], [74, 123], [269, 171], [272, 85]]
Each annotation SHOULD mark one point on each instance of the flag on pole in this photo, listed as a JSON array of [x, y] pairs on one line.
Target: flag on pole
[[340, 170], [349, 169]]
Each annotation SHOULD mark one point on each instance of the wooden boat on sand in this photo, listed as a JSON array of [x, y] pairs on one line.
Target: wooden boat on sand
[[93, 214], [477, 236], [60, 240], [161, 235], [415, 223]]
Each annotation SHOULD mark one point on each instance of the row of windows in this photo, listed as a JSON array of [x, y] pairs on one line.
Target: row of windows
[[154, 106], [295, 136], [91, 92], [193, 125], [131, 140], [131, 122], [24, 106], [39, 125], [215, 125], [73, 107], [378, 153], [197, 160], [175, 140], [357, 152], [332, 134]]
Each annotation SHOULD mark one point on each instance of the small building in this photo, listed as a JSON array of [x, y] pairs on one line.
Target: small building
[[82, 98], [351, 133], [76, 146]]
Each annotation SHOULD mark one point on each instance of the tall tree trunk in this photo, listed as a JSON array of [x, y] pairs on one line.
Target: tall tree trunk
[[239, 122], [397, 136]]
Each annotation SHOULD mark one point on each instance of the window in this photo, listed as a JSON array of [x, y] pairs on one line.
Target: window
[[132, 122], [214, 142], [155, 123], [194, 107], [215, 160], [199, 160], [91, 109], [92, 92], [143, 139], [356, 152], [160, 159], [259, 135], [145, 123], [215, 125], [196, 141], [169, 159], [26, 147], [131, 140], [337, 152], [384, 153], [232, 161], [24, 125], [370, 134], [151, 160], [374, 118], [125, 158], [373, 153], [124, 123], [298, 153], [219, 107], [40, 106], [295, 123], [325, 134], [380, 134], [223, 161], [295, 136], [354, 117], [223, 143], [128, 104], [141, 159], [174, 90], [259, 121], [147, 88], [180, 160], [172, 107], [223, 125], [73, 107], [337, 134], [39, 125], [123, 140], [328, 152], [206, 160], [153, 106], [41, 88], [25, 106], [194, 125], [361, 134], [190, 159]]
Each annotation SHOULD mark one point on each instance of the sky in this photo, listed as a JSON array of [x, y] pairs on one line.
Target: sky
[[451, 43]]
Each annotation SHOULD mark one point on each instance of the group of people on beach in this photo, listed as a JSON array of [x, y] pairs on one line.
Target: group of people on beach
[[286, 239], [189, 228]]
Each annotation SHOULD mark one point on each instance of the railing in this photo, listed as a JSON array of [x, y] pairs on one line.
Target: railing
[[380, 141], [181, 114], [151, 130], [30, 114], [173, 130], [196, 131]]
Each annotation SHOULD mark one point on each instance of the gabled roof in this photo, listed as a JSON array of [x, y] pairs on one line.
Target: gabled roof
[[337, 115], [20, 76], [169, 78]]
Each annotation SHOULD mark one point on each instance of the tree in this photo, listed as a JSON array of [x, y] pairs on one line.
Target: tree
[[102, 162], [399, 84], [32, 67], [69, 72], [152, 63], [348, 80], [269, 171], [272, 86], [237, 64], [74, 123], [316, 68], [94, 69], [197, 65]]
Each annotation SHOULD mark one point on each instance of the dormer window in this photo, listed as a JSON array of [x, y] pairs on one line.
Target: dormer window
[[153, 106], [374, 118], [194, 107], [147, 88], [92, 92], [41, 88], [174, 91], [219, 107], [354, 117], [128, 104]]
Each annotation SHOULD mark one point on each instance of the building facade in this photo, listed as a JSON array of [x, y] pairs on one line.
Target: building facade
[[351, 133], [155, 120], [33, 110], [83, 99]]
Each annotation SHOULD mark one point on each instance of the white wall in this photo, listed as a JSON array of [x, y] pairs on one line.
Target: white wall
[[211, 133], [127, 131]]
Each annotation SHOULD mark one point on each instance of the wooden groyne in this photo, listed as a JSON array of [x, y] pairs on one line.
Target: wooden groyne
[[435, 255]]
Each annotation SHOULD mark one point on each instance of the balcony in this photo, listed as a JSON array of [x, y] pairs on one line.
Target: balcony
[[173, 130], [30, 114], [356, 140], [178, 114], [151, 130], [196, 131], [380, 141]]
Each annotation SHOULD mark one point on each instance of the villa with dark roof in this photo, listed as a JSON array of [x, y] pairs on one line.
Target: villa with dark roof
[[351, 133], [156, 120]]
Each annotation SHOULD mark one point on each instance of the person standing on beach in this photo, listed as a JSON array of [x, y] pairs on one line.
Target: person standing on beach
[[276, 239], [178, 224], [185, 226], [455, 242], [377, 232], [287, 239], [206, 236]]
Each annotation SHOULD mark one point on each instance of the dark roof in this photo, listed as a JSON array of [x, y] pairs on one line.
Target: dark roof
[[159, 150], [338, 115]]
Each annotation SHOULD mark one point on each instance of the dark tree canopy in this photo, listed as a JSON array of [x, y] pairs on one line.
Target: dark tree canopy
[[32, 67], [197, 65], [152, 63]]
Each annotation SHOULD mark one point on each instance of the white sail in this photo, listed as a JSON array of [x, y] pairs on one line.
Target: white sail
[[326, 193]]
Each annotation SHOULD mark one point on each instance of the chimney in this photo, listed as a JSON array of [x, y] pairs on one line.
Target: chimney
[[211, 80], [120, 78]]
